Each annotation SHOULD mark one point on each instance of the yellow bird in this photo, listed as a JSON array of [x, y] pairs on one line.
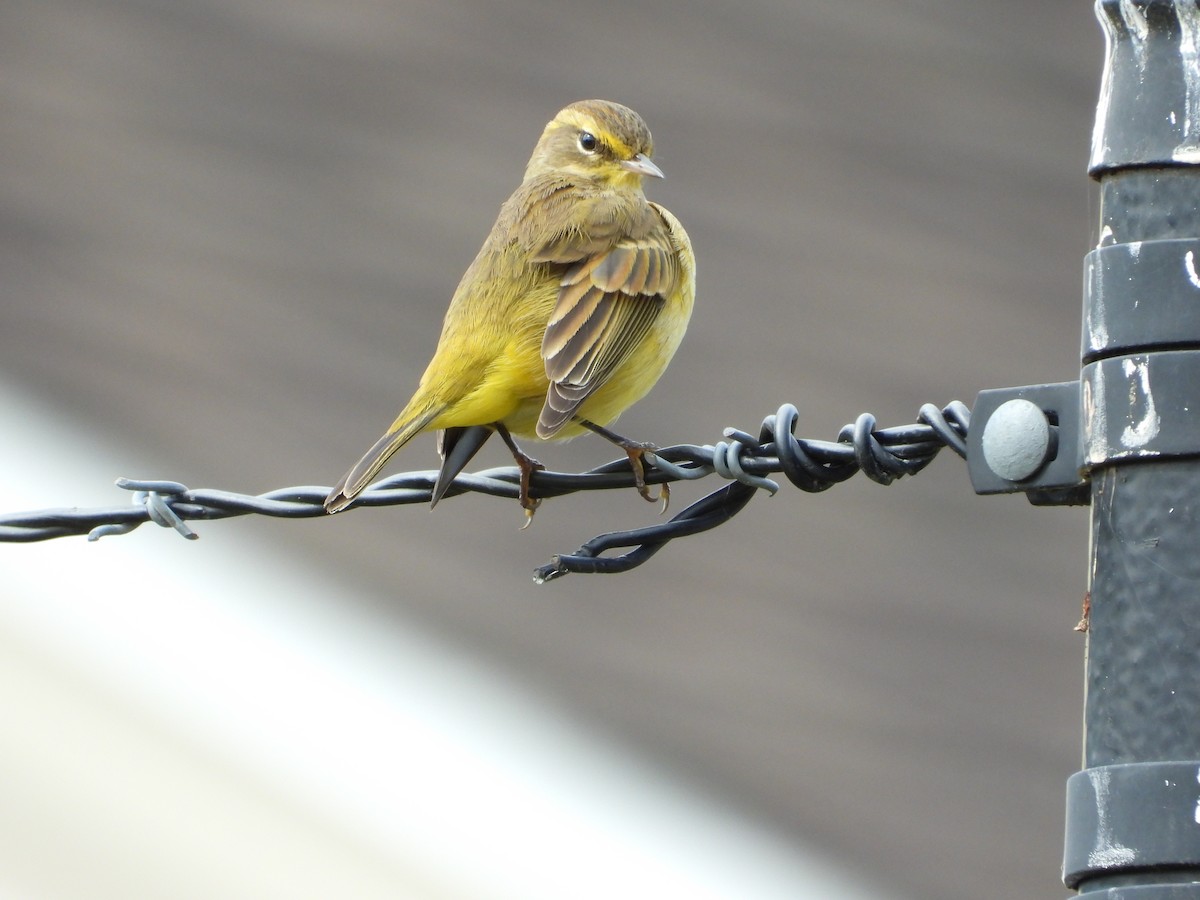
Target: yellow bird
[[569, 314]]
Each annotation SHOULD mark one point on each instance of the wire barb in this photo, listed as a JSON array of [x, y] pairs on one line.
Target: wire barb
[[151, 494], [746, 461]]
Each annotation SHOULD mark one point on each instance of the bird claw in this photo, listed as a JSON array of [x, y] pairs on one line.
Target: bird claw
[[528, 465], [636, 453]]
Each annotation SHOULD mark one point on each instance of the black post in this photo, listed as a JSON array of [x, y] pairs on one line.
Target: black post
[[1133, 813]]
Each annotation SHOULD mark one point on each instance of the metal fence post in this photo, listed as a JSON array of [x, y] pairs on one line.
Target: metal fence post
[[1133, 813]]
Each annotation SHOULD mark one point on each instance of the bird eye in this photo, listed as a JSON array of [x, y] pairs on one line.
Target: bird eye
[[588, 142]]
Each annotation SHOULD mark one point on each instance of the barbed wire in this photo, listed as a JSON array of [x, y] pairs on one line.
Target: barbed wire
[[744, 459]]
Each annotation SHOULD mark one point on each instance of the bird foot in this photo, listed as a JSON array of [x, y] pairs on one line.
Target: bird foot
[[528, 465], [636, 451]]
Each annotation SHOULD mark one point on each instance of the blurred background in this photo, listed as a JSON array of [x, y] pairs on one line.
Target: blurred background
[[228, 233]]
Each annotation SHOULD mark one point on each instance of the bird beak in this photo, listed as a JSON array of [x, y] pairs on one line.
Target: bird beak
[[642, 166]]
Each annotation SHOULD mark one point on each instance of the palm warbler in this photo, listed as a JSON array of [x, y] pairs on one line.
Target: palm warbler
[[568, 315]]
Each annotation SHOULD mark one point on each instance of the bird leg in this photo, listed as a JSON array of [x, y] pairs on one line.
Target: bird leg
[[636, 451], [528, 465]]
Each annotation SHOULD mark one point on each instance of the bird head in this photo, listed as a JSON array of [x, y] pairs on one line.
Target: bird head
[[599, 141]]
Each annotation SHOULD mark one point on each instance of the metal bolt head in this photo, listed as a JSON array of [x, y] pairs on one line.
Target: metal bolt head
[[1017, 440]]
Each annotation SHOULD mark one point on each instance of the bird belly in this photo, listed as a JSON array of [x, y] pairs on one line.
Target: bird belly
[[512, 382]]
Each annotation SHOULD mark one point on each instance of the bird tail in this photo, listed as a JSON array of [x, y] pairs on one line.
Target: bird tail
[[354, 482], [457, 447]]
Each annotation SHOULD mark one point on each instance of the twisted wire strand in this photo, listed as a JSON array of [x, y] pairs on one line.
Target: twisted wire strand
[[745, 460]]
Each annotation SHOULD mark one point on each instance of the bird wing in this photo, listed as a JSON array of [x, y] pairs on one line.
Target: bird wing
[[607, 302]]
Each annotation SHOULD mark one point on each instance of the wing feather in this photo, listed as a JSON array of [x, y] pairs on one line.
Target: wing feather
[[580, 316], [608, 301]]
